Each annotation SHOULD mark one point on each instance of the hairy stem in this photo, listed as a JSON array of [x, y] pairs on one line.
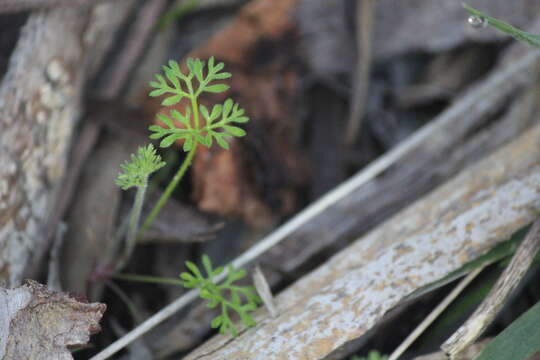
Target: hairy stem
[[133, 227], [168, 191]]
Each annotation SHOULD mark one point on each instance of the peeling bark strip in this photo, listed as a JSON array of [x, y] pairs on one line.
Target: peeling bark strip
[[347, 296], [36, 323], [39, 106], [12, 6]]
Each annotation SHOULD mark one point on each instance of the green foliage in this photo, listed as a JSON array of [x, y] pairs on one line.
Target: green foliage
[[373, 355], [216, 294], [519, 341], [218, 123], [520, 35], [136, 171], [186, 124]]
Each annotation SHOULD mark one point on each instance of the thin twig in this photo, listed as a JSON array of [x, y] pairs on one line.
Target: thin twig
[[364, 26], [497, 297], [135, 44], [501, 80], [53, 275], [83, 146], [436, 312]]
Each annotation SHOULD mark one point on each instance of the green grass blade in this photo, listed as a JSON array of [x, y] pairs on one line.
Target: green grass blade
[[518, 341], [520, 35]]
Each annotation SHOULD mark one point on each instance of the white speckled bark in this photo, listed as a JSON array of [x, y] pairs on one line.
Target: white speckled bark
[[40, 102], [350, 293]]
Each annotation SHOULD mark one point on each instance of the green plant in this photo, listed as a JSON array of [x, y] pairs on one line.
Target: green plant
[[196, 125], [216, 124], [216, 294], [135, 173], [373, 355]]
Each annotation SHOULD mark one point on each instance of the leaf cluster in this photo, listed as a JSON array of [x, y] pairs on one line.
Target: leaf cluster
[[218, 122], [136, 171], [229, 296]]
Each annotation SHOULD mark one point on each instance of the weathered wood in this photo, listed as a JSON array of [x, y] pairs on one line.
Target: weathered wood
[[39, 106], [349, 294], [40, 324], [423, 168], [497, 297]]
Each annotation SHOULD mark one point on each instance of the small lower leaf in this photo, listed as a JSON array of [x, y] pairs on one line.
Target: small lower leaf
[[171, 100], [234, 131], [168, 141], [224, 144], [217, 88], [216, 322]]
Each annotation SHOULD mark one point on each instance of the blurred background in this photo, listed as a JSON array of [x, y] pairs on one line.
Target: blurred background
[[329, 85]]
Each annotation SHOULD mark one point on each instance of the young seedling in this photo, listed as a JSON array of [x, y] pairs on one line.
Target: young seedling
[[216, 124], [216, 294], [135, 174]]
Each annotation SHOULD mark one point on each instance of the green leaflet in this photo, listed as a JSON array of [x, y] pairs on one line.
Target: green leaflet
[[231, 298], [219, 123]]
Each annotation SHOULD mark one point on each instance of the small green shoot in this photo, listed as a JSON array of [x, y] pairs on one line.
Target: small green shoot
[[196, 124], [520, 35], [135, 173], [216, 294], [373, 355]]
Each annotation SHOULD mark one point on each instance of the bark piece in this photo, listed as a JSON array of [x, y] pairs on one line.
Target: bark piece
[[421, 170], [39, 106], [497, 297], [92, 217], [37, 323], [349, 294]]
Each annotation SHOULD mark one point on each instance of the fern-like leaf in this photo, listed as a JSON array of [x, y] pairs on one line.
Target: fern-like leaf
[[242, 299], [137, 171]]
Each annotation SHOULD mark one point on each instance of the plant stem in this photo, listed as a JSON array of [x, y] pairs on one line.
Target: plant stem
[[149, 279], [195, 112], [131, 238], [168, 191]]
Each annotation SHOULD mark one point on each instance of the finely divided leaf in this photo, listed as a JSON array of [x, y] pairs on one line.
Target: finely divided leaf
[[141, 166]]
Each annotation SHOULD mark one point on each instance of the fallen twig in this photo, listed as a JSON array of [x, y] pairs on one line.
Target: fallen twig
[[364, 24], [497, 297], [435, 313]]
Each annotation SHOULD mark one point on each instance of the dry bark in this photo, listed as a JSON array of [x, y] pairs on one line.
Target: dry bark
[[37, 323], [456, 144], [40, 102], [349, 294], [497, 297]]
